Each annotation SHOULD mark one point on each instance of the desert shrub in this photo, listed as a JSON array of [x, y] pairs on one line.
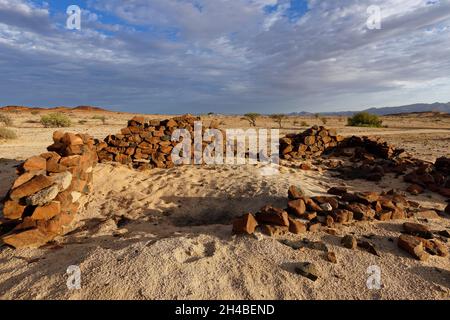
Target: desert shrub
[[7, 134], [56, 120], [6, 120], [324, 120], [365, 119], [101, 118], [304, 124], [35, 112]]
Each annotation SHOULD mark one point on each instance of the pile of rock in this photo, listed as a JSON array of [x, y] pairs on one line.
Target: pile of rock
[[342, 207], [366, 148], [145, 144], [433, 177], [45, 198], [312, 213], [311, 143]]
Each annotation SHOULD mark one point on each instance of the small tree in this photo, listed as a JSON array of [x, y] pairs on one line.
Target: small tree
[[251, 118], [365, 119], [278, 118]]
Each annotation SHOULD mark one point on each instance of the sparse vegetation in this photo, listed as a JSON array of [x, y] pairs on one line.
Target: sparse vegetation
[[35, 112], [278, 118], [324, 120], [101, 118], [7, 134], [5, 119], [56, 120], [304, 124], [251, 118], [365, 119]]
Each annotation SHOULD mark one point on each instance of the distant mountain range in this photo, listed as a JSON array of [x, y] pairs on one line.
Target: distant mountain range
[[412, 108], [56, 109]]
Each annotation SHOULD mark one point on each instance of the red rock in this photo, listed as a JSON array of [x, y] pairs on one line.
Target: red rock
[[342, 216], [385, 215], [427, 214], [367, 197], [331, 200], [315, 227], [57, 136], [398, 214], [29, 188], [435, 248], [47, 212], [349, 242], [27, 176], [296, 226], [418, 230], [272, 231], [312, 206], [413, 246], [337, 191], [33, 238], [331, 257], [71, 139], [271, 215], [361, 212], [297, 207], [295, 193], [36, 163], [70, 161], [245, 224], [330, 221], [12, 210], [415, 189]]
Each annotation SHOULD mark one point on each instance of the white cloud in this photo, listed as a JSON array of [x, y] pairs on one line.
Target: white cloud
[[227, 54]]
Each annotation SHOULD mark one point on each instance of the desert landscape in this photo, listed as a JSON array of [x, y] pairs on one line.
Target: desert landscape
[[167, 233]]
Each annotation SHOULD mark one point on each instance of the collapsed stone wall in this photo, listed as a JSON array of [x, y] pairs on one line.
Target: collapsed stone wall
[[45, 197], [146, 144], [341, 207]]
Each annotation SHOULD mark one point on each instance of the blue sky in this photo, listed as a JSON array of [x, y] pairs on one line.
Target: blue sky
[[227, 56]]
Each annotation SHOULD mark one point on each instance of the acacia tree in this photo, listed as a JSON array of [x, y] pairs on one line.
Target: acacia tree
[[251, 118], [278, 118]]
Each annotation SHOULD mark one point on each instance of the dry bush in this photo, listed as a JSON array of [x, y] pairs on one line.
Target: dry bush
[[7, 134]]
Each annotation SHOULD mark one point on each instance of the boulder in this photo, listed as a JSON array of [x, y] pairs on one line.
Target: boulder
[[296, 226], [33, 238], [297, 207], [295, 193], [36, 163]]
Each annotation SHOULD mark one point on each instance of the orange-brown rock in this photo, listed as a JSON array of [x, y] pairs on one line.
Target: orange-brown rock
[[31, 187], [414, 246], [273, 216], [36, 163], [47, 212], [297, 207], [33, 238], [13, 210], [296, 226], [245, 224]]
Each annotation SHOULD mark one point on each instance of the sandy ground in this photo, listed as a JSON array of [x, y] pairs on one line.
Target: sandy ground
[[166, 234]]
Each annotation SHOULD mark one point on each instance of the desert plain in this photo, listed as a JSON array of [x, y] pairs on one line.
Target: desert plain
[[166, 233]]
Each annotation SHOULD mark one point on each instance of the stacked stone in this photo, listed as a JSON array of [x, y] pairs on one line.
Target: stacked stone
[[367, 148], [432, 177], [145, 144], [45, 198], [311, 143]]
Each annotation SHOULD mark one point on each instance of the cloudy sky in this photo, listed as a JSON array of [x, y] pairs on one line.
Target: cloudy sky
[[228, 56]]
